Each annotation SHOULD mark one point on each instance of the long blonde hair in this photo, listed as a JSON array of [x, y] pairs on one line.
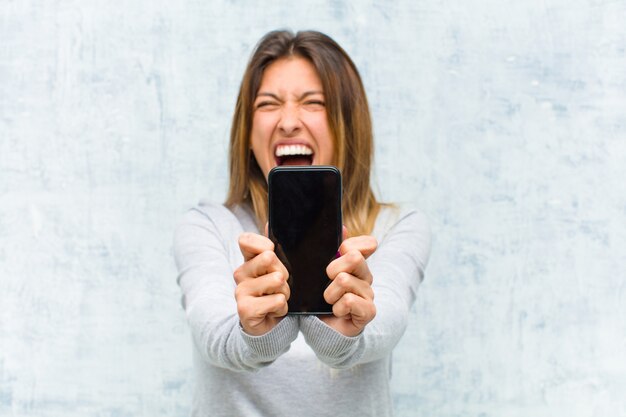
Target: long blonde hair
[[348, 118]]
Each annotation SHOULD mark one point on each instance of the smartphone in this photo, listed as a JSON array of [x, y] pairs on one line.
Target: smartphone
[[305, 225]]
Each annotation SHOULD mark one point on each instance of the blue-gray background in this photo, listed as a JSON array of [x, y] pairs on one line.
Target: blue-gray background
[[505, 121]]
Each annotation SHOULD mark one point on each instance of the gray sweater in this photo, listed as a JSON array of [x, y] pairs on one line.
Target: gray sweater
[[302, 367]]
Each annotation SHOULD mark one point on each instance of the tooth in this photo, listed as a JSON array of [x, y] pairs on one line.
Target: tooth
[[296, 149]]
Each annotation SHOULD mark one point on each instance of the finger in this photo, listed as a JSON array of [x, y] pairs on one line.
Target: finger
[[344, 232], [254, 309], [360, 311], [344, 284], [273, 283], [251, 244], [263, 263], [365, 244], [281, 310], [351, 262], [275, 305]]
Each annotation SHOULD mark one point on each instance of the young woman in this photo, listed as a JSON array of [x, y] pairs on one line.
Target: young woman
[[301, 102]]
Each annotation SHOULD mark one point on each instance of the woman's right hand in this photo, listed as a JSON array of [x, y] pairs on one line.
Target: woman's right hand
[[262, 291]]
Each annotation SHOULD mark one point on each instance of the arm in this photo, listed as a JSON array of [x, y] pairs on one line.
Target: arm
[[205, 259], [397, 268]]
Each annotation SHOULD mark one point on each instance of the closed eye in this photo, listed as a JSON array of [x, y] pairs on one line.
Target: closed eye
[[314, 104], [265, 104]]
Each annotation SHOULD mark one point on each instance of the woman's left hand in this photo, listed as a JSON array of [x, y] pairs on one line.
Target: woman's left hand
[[350, 292]]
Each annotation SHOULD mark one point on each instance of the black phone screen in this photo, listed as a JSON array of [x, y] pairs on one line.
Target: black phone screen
[[306, 228]]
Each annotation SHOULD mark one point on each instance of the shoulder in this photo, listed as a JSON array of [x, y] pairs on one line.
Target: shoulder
[[404, 228], [218, 217], [400, 216], [210, 226], [209, 219], [208, 215]]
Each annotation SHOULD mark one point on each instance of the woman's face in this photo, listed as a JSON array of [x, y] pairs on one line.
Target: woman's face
[[289, 124]]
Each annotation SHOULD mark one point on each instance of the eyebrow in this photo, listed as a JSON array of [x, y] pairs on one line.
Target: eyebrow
[[302, 96]]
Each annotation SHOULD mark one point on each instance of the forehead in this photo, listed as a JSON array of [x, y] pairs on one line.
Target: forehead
[[289, 74]]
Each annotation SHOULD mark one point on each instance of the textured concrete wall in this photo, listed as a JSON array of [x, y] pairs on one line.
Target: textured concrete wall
[[505, 121]]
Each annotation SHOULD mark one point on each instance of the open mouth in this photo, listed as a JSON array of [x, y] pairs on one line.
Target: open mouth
[[293, 155]]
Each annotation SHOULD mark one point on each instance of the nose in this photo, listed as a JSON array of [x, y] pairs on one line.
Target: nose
[[290, 123]]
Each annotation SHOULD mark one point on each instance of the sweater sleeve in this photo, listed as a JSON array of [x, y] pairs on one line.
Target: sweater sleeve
[[205, 257], [398, 268]]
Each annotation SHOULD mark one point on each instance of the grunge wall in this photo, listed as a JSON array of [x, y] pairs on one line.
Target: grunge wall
[[504, 121]]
